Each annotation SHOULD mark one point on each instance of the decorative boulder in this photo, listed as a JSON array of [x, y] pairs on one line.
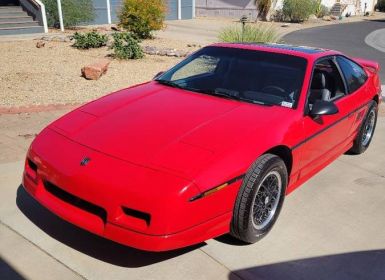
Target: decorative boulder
[[96, 70]]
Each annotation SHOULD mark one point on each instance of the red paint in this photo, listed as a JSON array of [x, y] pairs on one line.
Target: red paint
[[153, 147]]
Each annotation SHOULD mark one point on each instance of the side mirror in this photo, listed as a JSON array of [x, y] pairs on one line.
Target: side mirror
[[321, 107], [157, 75]]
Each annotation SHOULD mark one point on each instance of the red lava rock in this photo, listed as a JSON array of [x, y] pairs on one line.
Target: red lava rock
[[96, 70]]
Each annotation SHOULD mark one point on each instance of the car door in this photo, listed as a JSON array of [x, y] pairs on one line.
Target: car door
[[356, 78], [325, 137]]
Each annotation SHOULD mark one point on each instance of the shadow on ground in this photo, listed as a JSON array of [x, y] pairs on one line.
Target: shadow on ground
[[86, 242], [8, 272], [368, 265]]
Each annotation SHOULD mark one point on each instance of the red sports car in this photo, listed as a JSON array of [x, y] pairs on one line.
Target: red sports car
[[209, 147]]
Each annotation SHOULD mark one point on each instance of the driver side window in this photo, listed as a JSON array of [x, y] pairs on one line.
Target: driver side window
[[327, 83]]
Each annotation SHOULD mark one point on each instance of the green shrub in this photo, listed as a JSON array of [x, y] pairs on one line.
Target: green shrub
[[298, 10], [324, 11], [256, 32], [74, 12], [380, 5], [125, 46], [141, 17], [89, 40]]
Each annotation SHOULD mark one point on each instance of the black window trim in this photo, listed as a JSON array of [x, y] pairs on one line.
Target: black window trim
[[332, 57], [346, 84]]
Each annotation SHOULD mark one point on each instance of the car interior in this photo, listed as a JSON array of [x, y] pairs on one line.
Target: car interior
[[259, 81], [327, 84]]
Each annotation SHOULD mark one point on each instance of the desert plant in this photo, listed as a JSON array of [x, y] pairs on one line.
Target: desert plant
[[89, 40], [257, 32], [74, 12], [141, 17], [125, 46], [323, 11], [380, 6], [298, 10]]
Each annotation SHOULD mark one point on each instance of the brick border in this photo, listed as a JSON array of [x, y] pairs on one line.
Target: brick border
[[37, 108]]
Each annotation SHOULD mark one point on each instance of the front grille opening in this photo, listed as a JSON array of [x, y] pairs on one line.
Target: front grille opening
[[137, 214], [32, 165], [76, 201]]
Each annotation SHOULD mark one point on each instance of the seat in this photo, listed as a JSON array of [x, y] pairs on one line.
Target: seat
[[318, 90]]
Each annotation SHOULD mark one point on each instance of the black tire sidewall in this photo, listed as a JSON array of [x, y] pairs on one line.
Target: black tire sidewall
[[248, 232], [358, 147], [275, 165]]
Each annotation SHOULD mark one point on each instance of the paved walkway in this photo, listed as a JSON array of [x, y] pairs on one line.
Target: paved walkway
[[329, 229]]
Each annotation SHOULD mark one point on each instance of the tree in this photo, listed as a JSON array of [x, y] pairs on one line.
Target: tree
[[265, 8]]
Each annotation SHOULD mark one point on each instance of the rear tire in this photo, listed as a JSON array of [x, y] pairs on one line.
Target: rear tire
[[366, 132], [259, 199]]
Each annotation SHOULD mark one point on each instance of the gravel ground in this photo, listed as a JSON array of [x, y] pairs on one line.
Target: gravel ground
[[51, 75]]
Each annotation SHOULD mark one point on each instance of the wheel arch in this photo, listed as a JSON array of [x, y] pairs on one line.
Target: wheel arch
[[285, 154], [376, 99]]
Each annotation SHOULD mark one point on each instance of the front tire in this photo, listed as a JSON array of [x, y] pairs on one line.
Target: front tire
[[366, 132], [259, 199]]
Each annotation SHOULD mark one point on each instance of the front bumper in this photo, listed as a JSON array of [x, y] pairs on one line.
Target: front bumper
[[194, 235], [94, 197]]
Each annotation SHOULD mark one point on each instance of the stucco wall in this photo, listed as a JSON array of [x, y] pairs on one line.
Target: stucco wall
[[226, 8], [237, 8]]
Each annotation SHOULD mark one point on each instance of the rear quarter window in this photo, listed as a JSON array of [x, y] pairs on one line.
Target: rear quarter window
[[354, 74]]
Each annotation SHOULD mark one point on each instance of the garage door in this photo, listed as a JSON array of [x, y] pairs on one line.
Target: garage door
[[186, 9], [172, 9]]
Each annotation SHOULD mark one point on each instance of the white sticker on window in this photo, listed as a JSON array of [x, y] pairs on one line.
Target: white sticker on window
[[286, 104]]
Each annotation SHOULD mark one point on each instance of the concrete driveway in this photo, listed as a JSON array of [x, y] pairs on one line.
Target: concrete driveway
[[330, 228]]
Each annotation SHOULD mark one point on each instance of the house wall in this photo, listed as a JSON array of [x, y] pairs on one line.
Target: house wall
[[172, 10], [226, 8], [238, 8]]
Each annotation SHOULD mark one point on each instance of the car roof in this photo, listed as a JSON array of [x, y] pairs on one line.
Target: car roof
[[303, 51]]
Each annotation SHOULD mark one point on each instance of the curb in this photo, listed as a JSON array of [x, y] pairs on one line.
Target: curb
[[37, 108]]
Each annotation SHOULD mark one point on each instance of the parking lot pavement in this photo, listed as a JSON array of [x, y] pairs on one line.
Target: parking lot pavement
[[330, 228]]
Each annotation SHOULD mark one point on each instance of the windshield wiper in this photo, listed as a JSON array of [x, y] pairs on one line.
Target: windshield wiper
[[169, 83], [218, 92], [231, 94]]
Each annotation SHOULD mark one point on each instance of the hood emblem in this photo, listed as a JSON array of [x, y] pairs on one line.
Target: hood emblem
[[85, 161]]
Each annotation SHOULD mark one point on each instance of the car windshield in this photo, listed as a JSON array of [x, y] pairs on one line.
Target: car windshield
[[258, 77]]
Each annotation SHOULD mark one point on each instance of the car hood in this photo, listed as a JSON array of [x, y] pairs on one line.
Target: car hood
[[165, 128]]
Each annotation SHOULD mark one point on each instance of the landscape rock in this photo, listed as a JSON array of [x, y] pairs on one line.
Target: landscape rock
[[152, 50], [116, 28], [193, 46], [40, 44], [285, 25], [312, 17], [96, 70], [327, 18], [57, 38]]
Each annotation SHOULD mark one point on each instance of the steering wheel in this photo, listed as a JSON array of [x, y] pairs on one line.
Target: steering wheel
[[275, 90]]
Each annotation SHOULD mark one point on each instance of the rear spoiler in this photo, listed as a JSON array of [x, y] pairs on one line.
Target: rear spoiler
[[371, 65]]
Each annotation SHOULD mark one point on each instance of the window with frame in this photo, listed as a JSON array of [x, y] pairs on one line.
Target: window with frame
[[354, 74], [327, 83]]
